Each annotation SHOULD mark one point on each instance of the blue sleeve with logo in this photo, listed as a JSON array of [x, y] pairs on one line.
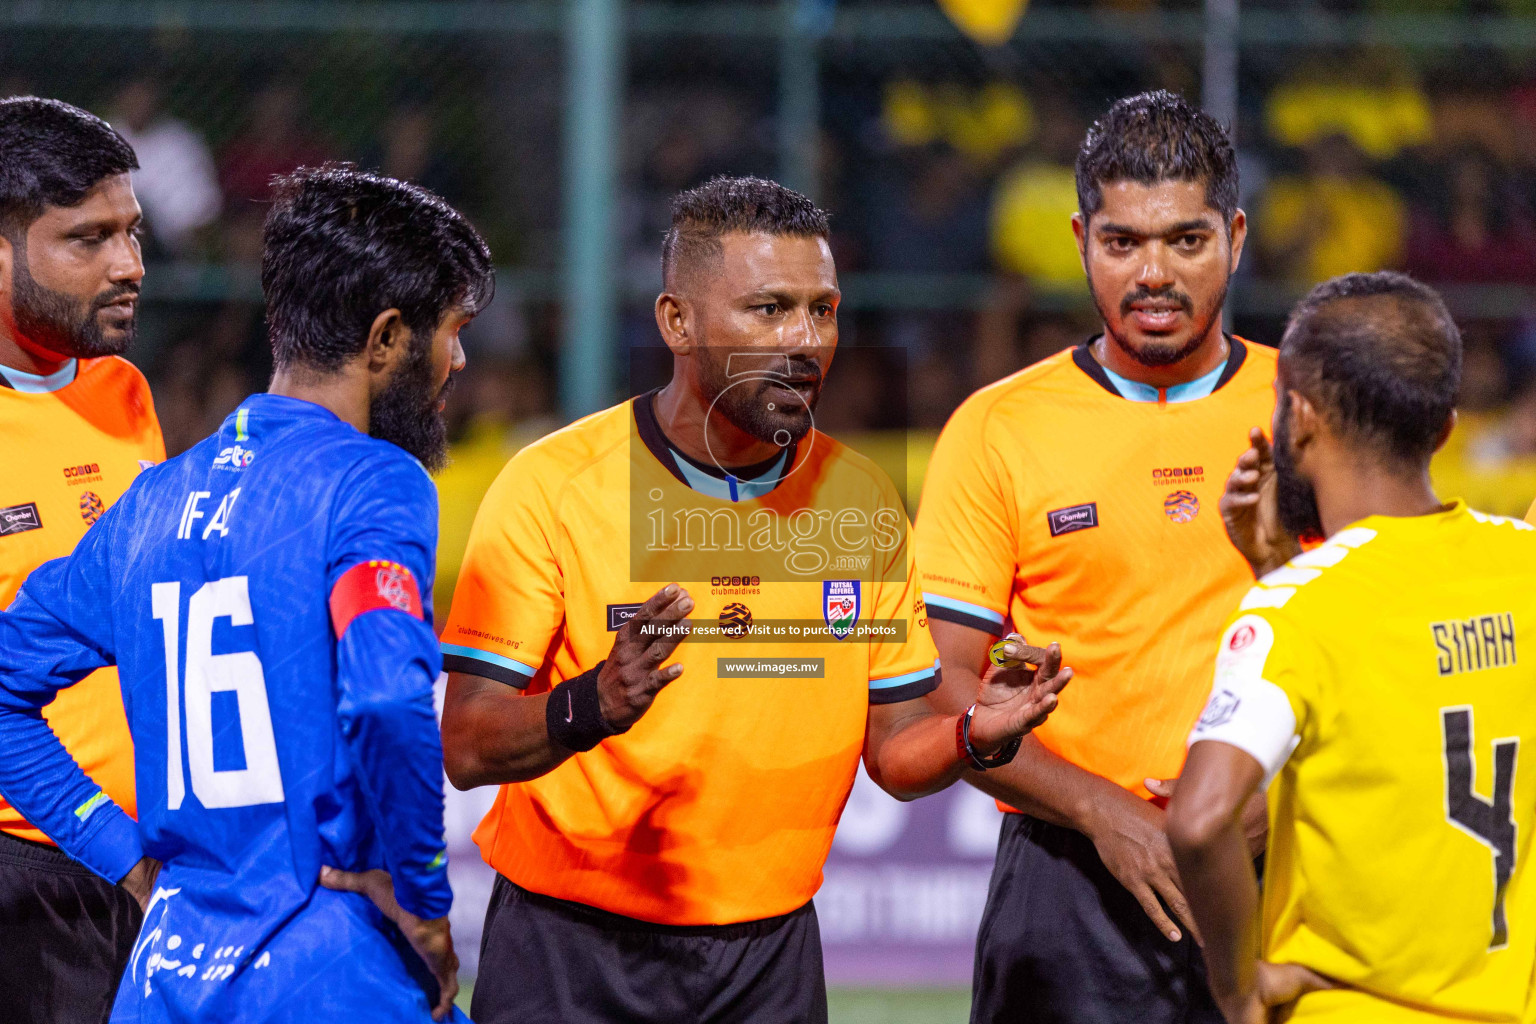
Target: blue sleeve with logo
[[56, 632], [383, 539]]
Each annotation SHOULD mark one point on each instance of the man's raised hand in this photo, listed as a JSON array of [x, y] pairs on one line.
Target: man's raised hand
[[1019, 695], [632, 675], [1250, 511]]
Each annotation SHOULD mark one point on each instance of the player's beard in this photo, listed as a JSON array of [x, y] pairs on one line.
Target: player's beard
[[57, 322], [406, 413], [1158, 353], [1295, 497], [745, 402]]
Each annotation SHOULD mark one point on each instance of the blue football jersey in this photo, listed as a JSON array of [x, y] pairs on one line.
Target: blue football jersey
[[266, 598]]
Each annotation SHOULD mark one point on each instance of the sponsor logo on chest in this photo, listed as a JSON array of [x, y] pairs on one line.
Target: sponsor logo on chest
[[91, 507], [735, 585], [19, 519], [618, 614], [1073, 518], [735, 619], [1181, 506], [85, 473], [1164, 476]]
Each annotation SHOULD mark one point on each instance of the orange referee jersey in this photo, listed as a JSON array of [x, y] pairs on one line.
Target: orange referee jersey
[[718, 806], [70, 453], [1079, 515]]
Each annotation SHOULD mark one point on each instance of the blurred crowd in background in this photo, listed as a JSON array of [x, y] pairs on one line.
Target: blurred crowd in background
[[947, 168]]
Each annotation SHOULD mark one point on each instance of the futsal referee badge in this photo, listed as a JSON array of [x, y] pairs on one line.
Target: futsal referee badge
[[840, 606]]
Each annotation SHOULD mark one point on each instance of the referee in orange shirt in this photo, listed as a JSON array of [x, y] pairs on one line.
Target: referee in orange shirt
[[1077, 500], [77, 425], [656, 861]]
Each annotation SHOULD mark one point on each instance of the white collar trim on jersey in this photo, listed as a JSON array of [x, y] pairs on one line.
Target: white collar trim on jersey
[[35, 384], [1136, 391], [729, 487]]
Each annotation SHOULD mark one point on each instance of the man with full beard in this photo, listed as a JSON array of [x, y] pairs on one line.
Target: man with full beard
[[657, 851], [266, 598], [77, 425], [1075, 501], [1373, 685]]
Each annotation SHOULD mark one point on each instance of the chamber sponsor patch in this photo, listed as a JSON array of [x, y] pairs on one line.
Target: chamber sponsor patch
[[20, 519], [1073, 518], [618, 614]]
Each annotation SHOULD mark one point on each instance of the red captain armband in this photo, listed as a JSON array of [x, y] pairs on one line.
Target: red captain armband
[[368, 586]]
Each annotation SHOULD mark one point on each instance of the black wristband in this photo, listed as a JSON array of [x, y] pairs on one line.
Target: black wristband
[[968, 753], [574, 717]]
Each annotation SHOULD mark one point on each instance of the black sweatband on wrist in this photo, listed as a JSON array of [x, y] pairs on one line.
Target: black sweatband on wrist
[[968, 754], [573, 716]]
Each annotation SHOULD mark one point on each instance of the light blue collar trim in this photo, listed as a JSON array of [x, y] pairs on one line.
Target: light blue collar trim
[[730, 488], [1187, 392], [33, 384]]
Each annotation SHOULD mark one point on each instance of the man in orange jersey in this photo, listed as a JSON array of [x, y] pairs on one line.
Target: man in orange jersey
[[77, 425], [1076, 500], [657, 851]]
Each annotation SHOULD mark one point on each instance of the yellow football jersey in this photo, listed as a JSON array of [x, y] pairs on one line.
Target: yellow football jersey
[[1377, 678]]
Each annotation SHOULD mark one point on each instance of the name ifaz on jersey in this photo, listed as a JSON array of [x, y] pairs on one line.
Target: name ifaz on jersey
[[1470, 645]]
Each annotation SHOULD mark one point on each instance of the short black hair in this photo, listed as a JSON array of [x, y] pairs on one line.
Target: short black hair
[[700, 216], [52, 154], [341, 245], [1153, 137], [1381, 357]]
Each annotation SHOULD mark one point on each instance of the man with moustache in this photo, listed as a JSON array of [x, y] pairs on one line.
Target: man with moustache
[[1075, 501], [1373, 685], [660, 829], [77, 425], [266, 598]]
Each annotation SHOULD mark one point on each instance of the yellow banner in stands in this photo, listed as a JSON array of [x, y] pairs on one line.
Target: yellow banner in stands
[[989, 22]]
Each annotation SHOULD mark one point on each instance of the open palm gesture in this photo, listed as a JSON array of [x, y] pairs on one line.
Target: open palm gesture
[[1018, 695]]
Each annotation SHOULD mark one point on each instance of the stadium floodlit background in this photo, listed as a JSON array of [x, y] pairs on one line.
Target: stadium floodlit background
[[940, 133]]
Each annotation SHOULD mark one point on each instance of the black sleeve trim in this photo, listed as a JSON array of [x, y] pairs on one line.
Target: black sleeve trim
[[910, 691], [960, 618], [476, 667]]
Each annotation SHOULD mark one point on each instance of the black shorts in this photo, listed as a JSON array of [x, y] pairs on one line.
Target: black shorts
[[65, 936], [1063, 942], [549, 961]]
